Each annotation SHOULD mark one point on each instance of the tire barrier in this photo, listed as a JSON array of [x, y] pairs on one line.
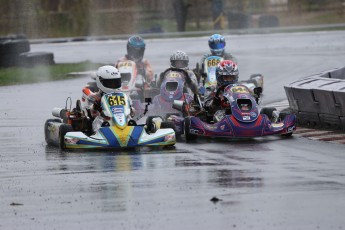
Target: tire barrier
[[32, 59], [319, 99], [14, 51]]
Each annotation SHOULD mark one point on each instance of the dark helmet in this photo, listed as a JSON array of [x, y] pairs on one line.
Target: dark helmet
[[136, 48], [226, 73], [217, 44]]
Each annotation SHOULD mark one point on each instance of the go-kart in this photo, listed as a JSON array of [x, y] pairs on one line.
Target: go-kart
[[73, 129], [209, 80], [173, 87], [238, 117]]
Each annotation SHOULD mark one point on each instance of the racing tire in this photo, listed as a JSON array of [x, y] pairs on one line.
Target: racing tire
[[282, 116], [167, 115], [32, 59], [150, 125], [9, 60], [63, 129], [14, 47], [189, 136], [168, 125], [268, 111], [46, 133]]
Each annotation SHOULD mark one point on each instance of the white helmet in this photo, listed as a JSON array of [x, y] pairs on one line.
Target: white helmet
[[179, 59], [108, 78]]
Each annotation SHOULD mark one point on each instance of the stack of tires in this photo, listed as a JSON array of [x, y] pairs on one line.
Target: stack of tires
[[15, 51]]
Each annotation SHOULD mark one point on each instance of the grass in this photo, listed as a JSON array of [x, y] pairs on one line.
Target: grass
[[21, 75]]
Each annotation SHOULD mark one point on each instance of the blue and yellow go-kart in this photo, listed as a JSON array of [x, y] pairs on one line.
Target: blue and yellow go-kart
[[74, 131]]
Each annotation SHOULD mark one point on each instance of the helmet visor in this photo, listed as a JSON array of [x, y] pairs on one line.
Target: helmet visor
[[136, 53], [217, 46], [179, 64], [111, 83], [229, 78]]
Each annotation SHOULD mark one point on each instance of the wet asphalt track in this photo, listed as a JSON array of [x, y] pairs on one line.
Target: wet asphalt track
[[262, 183]]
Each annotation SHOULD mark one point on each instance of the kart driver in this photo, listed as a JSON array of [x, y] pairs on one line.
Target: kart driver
[[135, 52], [217, 47], [179, 61], [226, 74], [108, 80]]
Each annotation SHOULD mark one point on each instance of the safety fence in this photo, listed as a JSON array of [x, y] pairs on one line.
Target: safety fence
[[319, 99]]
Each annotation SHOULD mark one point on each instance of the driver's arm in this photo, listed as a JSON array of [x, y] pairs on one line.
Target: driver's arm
[[148, 71]]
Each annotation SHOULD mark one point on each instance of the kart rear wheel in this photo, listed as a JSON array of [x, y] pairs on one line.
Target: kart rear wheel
[[63, 129], [168, 124], [46, 131], [169, 114], [189, 136], [151, 126], [268, 111]]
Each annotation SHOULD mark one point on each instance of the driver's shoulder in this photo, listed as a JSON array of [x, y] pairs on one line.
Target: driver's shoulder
[[206, 56]]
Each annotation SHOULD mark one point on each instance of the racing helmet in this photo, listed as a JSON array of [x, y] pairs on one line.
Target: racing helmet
[[226, 73], [136, 48], [179, 59], [108, 79], [217, 44]]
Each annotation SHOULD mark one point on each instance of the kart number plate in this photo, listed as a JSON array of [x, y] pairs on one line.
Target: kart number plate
[[213, 62], [116, 100], [175, 74], [239, 89], [125, 64]]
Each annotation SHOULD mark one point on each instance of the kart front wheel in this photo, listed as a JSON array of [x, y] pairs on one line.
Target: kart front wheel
[[189, 136], [268, 111], [47, 134], [152, 123], [282, 116], [63, 129]]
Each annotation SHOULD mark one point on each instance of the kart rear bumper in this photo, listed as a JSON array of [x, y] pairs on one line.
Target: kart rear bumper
[[230, 127]]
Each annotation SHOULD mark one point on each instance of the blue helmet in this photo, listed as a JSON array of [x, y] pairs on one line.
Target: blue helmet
[[217, 44], [136, 48]]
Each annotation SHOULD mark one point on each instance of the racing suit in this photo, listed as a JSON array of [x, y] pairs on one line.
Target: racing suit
[[226, 56], [143, 66], [93, 102], [213, 99]]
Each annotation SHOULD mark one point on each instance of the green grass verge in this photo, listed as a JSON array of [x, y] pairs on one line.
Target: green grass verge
[[21, 75]]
